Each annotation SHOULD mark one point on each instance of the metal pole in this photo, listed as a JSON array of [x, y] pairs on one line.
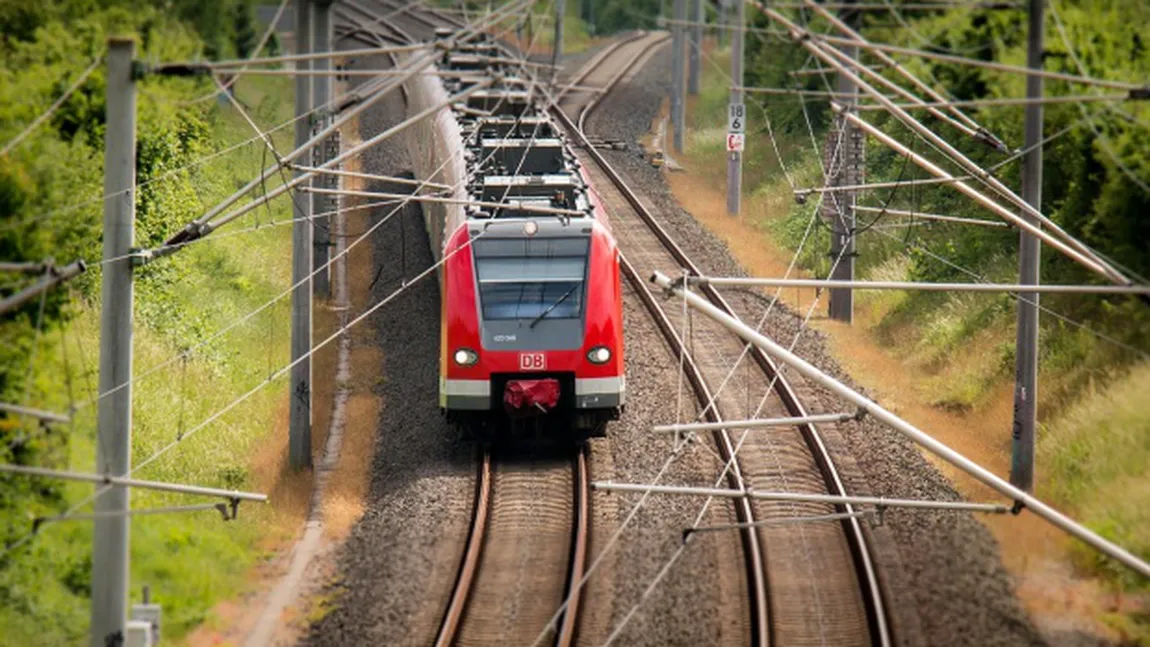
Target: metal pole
[[677, 81], [696, 42], [735, 157], [844, 167], [299, 442], [110, 535], [321, 95], [557, 46], [1029, 251], [721, 32], [745, 281], [1022, 499]]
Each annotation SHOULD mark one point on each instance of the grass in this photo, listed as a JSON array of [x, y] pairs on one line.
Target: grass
[[1094, 460], [191, 561]]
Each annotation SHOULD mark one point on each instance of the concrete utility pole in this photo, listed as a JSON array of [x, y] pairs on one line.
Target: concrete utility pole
[[735, 157], [724, 16], [844, 164], [321, 88], [557, 46], [1026, 346], [587, 13], [110, 534], [696, 45], [677, 81], [299, 441]]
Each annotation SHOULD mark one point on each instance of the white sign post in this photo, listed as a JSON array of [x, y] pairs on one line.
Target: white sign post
[[736, 126]]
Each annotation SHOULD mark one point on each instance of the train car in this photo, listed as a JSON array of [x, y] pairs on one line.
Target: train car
[[531, 333]]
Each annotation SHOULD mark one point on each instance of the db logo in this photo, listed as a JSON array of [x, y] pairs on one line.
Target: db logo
[[532, 362]]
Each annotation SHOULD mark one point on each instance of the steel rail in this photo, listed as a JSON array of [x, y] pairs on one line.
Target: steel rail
[[634, 61], [453, 617], [755, 561], [580, 533], [477, 537], [870, 587], [587, 69], [753, 553]]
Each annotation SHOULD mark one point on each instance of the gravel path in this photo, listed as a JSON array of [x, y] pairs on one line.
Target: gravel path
[[943, 568]]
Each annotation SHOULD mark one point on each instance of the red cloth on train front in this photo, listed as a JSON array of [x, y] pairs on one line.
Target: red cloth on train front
[[525, 396]]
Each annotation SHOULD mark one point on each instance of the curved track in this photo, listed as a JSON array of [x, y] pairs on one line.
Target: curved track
[[525, 552], [811, 583]]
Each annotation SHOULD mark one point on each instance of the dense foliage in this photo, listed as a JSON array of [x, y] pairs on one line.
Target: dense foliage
[[51, 208]]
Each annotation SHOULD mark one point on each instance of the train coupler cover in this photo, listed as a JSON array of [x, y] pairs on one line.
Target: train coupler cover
[[526, 397]]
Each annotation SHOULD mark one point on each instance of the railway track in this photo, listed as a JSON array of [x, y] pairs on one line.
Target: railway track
[[525, 552], [810, 583]]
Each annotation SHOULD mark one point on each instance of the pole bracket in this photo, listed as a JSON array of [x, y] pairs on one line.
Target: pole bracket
[[173, 69], [140, 256]]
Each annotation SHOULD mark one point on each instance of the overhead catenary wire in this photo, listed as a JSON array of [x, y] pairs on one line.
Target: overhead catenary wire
[[1007, 101], [990, 65], [256, 52], [1081, 252], [51, 110], [283, 370], [919, 437], [53, 276], [982, 199], [890, 62], [933, 216], [230, 65], [172, 173], [1103, 141], [1045, 309], [1046, 288], [678, 448], [314, 348], [647, 491], [273, 300]]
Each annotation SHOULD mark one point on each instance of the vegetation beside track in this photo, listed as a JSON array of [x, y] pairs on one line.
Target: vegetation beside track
[[50, 206], [1095, 434]]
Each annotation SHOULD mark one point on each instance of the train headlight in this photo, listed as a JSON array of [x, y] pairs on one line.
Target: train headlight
[[466, 357], [530, 228], [599, 355]]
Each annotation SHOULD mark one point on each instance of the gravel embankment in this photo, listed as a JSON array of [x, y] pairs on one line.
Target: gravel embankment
[[400, 559], [943, 568]]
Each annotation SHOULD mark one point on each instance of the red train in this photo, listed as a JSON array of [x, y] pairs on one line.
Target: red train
[[532, 322]]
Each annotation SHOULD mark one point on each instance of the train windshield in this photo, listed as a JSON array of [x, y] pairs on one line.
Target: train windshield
[[526, 278]]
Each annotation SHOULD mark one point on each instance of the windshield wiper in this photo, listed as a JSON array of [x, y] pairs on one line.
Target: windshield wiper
[[553, 305]]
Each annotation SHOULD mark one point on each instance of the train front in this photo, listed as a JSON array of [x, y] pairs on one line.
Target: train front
[[533, 331]]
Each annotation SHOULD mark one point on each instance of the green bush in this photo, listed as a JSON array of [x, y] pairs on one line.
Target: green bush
[[50, 207]]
